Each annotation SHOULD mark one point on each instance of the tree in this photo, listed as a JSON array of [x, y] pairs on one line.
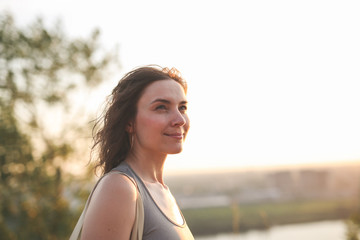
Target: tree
[[353, 225], [41, 70]]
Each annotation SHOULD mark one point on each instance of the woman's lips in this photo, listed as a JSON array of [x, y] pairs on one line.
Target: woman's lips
[[175, 135]]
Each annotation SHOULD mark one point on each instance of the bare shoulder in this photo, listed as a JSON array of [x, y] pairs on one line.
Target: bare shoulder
[[111, 211], [116, 183]]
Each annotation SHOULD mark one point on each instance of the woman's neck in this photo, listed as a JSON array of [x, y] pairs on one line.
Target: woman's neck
[[147, 166]]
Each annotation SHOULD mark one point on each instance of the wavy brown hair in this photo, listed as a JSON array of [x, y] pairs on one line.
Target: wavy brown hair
[[109, 133]]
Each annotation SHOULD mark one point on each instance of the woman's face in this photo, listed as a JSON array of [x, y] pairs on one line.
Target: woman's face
[[161, 122]]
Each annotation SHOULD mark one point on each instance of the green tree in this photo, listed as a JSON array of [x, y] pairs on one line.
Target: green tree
[[353, 225], [41, 71], [352, 230]]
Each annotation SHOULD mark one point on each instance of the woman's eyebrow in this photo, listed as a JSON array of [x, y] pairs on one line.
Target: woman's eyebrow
[[166, 101], [161, 100]]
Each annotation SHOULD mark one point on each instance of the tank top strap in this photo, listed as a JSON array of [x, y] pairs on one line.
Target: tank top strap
[[124, 168]]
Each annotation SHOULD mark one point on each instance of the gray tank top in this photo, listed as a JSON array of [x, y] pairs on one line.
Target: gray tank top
[[157, 226]]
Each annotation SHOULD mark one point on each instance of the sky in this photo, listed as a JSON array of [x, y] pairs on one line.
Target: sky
[[271, 82]]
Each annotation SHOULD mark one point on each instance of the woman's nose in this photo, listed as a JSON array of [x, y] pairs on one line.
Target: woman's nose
[[178, 119]]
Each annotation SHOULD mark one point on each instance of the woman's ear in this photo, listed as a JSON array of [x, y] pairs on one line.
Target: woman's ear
[[130, 127]]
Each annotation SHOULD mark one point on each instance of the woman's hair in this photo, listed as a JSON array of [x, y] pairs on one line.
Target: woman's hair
[[111, 138]]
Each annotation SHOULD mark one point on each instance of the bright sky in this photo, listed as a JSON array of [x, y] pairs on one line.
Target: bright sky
[[270, 82]]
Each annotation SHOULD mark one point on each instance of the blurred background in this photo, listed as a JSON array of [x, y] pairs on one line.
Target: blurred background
[[274, 146]]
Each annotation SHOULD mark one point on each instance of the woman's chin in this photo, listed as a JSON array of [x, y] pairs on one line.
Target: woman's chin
[[175, 151]]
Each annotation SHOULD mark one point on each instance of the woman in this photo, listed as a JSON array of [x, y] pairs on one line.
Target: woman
[[145, 121]]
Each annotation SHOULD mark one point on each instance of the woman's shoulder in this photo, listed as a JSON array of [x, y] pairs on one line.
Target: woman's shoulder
[[112, 205], [117, 184], [111, 190]]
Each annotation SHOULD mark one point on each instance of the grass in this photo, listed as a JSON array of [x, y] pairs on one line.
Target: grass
[[240, 218]]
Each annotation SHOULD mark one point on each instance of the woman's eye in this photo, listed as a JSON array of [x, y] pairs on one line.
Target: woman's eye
[[161, 107], [183, 108]]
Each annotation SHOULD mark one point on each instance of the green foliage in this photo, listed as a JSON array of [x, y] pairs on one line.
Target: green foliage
[[353, 226], [40, 70], [352, 230]]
